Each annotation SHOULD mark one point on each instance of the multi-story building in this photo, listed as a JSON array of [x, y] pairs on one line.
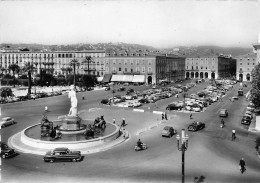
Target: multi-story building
[[55, 62], [213, 67], [245, 65], [144, 67]]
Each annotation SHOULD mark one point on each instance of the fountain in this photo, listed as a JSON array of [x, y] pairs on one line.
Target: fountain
[[69, 131]]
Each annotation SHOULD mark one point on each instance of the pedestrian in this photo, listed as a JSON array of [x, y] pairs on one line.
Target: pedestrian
[[46, 109], [190, 115], [165, 116], [233, 135], [242, 165], [114, 121], [162, 116], [123, 122]]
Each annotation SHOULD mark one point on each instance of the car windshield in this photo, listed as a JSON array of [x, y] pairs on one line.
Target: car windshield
[[166, 128]]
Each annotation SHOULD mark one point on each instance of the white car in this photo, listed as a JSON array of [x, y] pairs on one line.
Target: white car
[[128, 97], [134, 104], [196, 109], [6, 121]]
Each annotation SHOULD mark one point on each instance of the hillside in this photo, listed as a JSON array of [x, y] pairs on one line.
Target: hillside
[[108, 47]]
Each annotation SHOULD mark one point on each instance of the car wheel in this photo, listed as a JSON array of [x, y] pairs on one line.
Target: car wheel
[[3, 156], [74, 160], [2, 126], [52, 160]]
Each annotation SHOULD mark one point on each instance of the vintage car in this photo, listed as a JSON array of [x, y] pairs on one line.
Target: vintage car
[[62, 154], [6, 121], [173, 107], [223, 113], [235, 97], [107, 88], [6, 151], [168, 131], [246, 120], [195, 126], [134, 104]]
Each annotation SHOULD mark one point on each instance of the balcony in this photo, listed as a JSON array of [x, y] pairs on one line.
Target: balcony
[[149, 72], [114, 72]]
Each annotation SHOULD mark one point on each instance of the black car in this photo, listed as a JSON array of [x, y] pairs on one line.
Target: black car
[[246, 120], [195, 126], [62, 154], [121, 89], [6, 151], [107, 88], [144, 101], [173, 107], [104, 101]]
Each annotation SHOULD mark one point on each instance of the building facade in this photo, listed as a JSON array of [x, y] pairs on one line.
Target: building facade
[[154, 68], [245, 65], [55, 62], [213, 67]]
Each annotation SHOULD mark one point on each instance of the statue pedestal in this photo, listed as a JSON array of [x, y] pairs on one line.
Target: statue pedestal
[[71, 123]]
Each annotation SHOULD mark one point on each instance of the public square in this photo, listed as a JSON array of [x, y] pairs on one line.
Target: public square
[[211, 155]]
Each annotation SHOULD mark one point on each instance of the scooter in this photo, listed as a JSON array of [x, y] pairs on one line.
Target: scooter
[[137, 148]]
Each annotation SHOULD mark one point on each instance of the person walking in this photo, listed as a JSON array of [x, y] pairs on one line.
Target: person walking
[[165, 116], [233, 135], [190, 115], [123, 122], [114, 121], [242, 165], [162, 116]]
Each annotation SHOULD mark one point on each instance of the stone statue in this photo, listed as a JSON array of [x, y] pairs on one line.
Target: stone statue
[[74, 101]]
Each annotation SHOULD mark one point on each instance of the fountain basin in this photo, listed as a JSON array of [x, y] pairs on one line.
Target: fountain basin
[[72, 141]]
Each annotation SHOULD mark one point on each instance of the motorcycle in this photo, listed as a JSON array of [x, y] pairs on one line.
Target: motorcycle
[[137, 148]]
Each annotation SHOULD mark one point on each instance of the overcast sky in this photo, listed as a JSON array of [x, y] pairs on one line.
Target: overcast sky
[[154, 23]]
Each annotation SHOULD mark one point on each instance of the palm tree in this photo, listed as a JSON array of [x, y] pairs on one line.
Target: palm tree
[[29, 68], [74, 63], [14, 68], [88, 60]]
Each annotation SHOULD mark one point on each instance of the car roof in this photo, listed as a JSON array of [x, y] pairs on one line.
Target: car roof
[[61, 149]]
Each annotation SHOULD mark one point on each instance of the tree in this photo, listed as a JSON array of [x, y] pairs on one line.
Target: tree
[[14, 68], [255, 91], [88, 60], [5, 92], [74, 63], [29, 68], [89, 80]]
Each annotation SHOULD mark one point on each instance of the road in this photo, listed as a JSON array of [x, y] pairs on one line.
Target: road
[[211, 154]]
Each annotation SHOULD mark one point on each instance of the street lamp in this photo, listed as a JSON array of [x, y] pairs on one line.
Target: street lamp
[[183, 147], [113, 84]]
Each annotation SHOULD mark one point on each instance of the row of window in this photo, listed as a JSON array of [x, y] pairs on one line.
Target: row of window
[[137, 62], [59, 55], [114, 69], [201, 62], [240, 69], [247, 63], [197, 67]]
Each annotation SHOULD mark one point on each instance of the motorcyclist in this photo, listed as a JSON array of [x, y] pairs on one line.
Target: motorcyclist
[[139, 144]]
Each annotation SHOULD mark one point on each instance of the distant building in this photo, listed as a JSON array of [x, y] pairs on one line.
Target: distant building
[[245, 65], [214, 67], [54, 62], [148, 68]]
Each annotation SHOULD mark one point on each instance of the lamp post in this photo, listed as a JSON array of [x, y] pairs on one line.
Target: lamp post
[[113, 84], [183, 147]]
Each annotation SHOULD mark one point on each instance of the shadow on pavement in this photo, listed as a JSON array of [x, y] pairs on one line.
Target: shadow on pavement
[[199, 179]]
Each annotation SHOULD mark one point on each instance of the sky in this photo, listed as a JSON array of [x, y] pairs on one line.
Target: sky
[[157, 23]]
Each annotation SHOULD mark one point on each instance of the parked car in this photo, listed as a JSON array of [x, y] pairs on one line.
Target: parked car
[[173, 107], [128, 97], [6, 151], [144, 101], [168, 131], [246, 120], [121, 89], [196, 109], [195, 126], [104, 101], [249, 113], [235, 97], [223, 113], [134, 104], [62, 154], [6, 122], [107, 88]]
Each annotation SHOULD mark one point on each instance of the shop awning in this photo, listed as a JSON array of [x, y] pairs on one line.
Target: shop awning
[[106, 78], [128, 78], [118, 78], [138, 79], [99, 79]]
